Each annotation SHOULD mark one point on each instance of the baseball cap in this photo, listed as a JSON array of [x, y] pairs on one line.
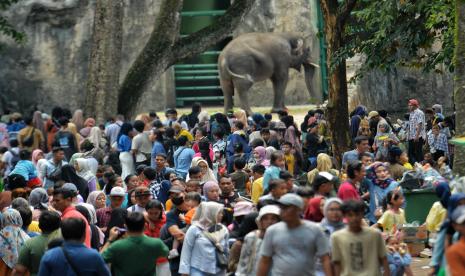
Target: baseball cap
[[117, 191], [413, 102], [243, 208], [142, 191], [176, 189], [372, 114], [458, 216], [291, 199], [268, 209], [70, 188]]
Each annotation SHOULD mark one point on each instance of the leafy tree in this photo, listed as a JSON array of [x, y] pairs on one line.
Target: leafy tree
[[5, 27]]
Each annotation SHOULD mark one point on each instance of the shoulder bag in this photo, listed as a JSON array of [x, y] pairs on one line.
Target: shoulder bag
[[221, 258]]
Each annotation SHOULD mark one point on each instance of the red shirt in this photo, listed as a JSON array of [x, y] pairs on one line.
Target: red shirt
[[71, 212], [348, 191], [152, 229]]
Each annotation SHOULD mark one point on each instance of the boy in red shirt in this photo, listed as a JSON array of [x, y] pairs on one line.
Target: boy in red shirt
[[349, 189]]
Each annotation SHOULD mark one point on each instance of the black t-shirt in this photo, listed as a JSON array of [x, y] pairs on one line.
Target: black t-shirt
[[313, 145]]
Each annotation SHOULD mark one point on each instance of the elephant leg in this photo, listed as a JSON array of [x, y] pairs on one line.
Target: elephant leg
[[279, 87], [228, 91], [242, 86]]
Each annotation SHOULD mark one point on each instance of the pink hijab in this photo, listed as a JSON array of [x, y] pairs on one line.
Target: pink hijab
[[262, 153], [35, 154]]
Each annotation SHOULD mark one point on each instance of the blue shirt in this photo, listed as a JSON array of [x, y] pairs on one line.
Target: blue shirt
[[124, 143], [351, 155], [182, 159], [26, 169], [272, 172], [377, 195], [156, 149], [88, 261]]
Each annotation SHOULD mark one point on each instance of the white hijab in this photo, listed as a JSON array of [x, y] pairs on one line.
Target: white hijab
[[84, 169]]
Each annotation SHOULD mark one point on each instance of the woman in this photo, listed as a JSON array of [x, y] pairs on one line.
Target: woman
[[314, 210], [272, 172], [259, 157], [97, 199], [97, 236], [78, 119], [379, 186], [199, 253], [211, 191], [250, 251], [241, 116], [355, 117], [332, 222], [124, 147], [384, 139], [205, 152], [323, 164], [154, 220], [292, 134], [38, 123], [204, 120], [96, 138], [38, 199], [396, 169], [39, 162], [207, 173], [88, 125], [131, 181], [69, 175], [11, 241], [83, 170]]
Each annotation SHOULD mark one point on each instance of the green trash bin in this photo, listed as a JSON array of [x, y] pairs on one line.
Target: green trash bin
[[419, 203]]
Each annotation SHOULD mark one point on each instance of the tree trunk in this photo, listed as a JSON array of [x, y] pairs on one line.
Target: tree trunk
[[337, 108], [105, 60], [459, 85], [165, 48]]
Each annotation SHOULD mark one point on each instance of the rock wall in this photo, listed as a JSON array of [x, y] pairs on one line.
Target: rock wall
[[392, 90], [284, 16], [51, 67]]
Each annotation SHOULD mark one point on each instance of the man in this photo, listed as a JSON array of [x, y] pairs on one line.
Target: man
[[195, 173], [158, 186], [183, 157], [361, 145], [63, 202], [356, 249], [52, 169], [136, 254], [315, 143], [143, 196], [455, 254], [291, 246], [160, 167], [416, 134], [192, 118], [228, 198], [29, 137], [112, 130], [65, 139], [238, 136], [72, 258], [323, 184], [355, 174], [172, 117], [117, 196], [32, 251], [141, 145]]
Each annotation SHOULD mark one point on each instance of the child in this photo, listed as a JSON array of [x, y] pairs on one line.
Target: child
[[398, 256], [278, 188], [357, 250], [288, 157], [393, 215], [239, 176], [257, 185], [277, 163], [444, 169]]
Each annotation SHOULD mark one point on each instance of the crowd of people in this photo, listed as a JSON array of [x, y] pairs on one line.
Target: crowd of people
[[223, 194]]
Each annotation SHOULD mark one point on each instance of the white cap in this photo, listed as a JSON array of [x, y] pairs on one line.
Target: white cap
[[269, 209], [117, 191], [327, 175]]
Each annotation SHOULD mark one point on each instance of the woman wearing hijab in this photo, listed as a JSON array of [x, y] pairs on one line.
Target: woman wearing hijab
[[12, 237], [96, 138], [211, 191], [78, 119], [205, 239], [38, 199], [292, 134], [89, 123], [97, 199], [259, 157], [124, 147], [355, 117], [39, 162], [384, 139], [97, 236], [207, 173], [379, 186], [69, 175], [314, 210], [83, 170], [323, 164]]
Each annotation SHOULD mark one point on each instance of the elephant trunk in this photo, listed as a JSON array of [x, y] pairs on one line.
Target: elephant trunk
[[309, 69]]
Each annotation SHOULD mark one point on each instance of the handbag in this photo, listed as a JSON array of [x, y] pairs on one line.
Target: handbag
[[29, 141], [221, 258]]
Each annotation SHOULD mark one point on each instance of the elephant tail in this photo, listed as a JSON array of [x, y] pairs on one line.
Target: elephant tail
[[224, 64]]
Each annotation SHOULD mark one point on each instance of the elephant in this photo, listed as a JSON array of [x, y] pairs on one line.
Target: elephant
[[255, 57]]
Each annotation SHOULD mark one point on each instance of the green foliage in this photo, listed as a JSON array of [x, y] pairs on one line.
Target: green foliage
[[5, 27], [412, 33]]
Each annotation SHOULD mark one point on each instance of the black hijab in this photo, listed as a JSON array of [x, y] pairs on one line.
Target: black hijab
[[68, 174]]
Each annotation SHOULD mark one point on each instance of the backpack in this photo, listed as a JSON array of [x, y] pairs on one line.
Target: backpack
[[14, 159]]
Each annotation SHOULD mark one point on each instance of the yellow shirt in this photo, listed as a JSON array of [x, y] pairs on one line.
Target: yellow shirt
[[168, 205], [186, 133], [408, 166], [34, 227], [290, 163], [257, 189], [390, 219], [435, 217]]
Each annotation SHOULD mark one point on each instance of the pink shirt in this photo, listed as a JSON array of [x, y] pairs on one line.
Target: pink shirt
[[347, 191]]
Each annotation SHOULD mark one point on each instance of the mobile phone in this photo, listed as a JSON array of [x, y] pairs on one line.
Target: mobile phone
[[121, 230]]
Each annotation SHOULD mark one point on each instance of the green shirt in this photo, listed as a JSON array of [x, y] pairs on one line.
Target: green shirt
[[32, 251], [135, 255]]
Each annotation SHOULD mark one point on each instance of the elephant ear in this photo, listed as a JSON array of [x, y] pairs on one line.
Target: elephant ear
[[297, 45]]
